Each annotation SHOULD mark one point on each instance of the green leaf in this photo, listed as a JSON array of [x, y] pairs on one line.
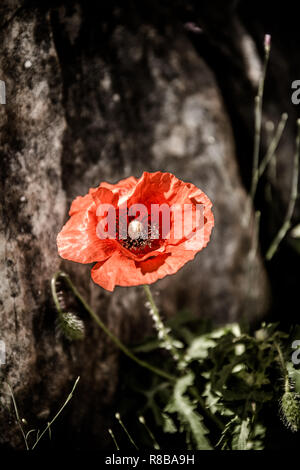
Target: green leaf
[[240, 441], [168, 424], [190, 420], [199, 347]]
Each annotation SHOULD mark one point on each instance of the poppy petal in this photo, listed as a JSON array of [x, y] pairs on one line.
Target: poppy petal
[[82, 203], [78, 240], [123, 186], [122, 271]]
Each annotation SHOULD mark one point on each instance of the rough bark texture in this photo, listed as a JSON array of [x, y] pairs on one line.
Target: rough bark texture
[[101, 93]]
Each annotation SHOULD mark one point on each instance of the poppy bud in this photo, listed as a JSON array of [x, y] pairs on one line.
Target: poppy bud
[[290, 408], [71, 326]]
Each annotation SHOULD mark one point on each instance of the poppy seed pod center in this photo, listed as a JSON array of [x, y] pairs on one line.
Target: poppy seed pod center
[[136, 230]]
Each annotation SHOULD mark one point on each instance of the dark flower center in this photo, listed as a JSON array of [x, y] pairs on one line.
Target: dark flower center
[[141, 238], [138, 236]]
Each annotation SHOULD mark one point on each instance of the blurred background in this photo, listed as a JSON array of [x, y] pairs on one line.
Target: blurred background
[[99, 92]]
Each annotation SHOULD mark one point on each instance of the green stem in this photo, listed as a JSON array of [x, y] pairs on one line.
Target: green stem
[[151, 300], [54, 292], [257, 124], [113, 438], [143, 422], [283, 367], [100, 323], [163, 334], [206, 410], [118, 417], [18, 416], [294, 193], [272, 146], [57, 414]]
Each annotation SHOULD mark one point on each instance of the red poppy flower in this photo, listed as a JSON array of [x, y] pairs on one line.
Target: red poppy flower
[[145, 250]]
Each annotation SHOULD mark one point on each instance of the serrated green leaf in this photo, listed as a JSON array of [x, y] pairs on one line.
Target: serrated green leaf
[[190, 419], [168, 424], [199, 347]]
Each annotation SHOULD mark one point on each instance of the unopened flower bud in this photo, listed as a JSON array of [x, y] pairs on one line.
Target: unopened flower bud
[[267, 42], [71, 326], [290, 408]]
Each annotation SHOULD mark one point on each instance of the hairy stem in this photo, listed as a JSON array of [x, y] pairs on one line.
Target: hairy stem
[[100, 323], [166, 340]]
